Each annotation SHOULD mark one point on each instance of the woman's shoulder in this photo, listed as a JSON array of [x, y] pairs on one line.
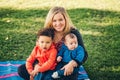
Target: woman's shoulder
[[74, 30]]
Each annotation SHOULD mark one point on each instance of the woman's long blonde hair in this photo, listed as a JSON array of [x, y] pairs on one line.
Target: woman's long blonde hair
[[55, 10]]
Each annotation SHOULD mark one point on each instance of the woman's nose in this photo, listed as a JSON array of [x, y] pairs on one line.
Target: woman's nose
[[58, 22]]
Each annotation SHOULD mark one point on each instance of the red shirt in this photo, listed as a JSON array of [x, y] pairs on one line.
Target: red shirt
[[46, 59]]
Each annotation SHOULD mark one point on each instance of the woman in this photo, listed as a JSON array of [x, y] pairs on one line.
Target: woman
[[59, 20]]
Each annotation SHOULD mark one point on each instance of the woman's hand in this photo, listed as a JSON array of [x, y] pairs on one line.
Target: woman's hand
[[69, 68]]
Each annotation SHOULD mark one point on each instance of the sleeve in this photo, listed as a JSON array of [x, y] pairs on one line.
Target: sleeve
[[61, 51], [48, 64], [80, 54], [30, 60], [80, 42]]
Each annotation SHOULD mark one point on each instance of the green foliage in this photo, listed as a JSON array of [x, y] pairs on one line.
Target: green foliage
[[18, 30], [100, 31]]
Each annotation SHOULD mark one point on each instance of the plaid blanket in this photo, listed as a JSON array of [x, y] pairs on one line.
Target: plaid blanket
[[8, 70], [82, 74]]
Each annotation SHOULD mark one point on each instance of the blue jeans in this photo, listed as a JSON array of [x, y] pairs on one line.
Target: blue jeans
[[38, 76], [44, 76], [78, 74], [61, 72]]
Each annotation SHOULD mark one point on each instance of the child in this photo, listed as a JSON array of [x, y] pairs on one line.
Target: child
[[70, 50], [45, 53]]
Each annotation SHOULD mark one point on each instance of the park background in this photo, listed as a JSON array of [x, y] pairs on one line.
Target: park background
[[97, 20]]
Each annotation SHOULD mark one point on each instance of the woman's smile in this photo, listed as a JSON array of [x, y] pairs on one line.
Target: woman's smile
[[58, 22]]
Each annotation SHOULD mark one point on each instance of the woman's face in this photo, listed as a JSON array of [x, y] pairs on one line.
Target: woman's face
[[58, 22]]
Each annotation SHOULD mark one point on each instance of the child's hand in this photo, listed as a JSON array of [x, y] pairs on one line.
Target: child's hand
[[32, 74], [36, 68], [59, 58], [31, 78], [35, 71]]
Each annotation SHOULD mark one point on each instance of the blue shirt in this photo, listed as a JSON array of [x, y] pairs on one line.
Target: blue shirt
[[67, 55]]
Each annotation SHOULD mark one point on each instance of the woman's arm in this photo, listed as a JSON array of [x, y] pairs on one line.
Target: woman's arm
[[69, 67]]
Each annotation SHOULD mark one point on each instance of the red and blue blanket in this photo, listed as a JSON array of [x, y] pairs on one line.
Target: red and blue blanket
[[8, 70]]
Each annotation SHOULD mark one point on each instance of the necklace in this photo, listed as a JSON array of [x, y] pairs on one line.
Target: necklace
[[58, 37]]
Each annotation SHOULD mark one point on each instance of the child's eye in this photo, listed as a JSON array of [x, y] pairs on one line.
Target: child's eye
[[42, 41], [47, 42], [71, 43]]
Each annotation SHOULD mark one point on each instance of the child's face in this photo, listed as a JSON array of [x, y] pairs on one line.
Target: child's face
[[71, 43], [44, 42]]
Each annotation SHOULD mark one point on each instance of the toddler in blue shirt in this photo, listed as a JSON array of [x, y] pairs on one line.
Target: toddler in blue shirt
[[70, 50]]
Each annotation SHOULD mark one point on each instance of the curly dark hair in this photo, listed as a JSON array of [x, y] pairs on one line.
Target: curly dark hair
[[46, 32]]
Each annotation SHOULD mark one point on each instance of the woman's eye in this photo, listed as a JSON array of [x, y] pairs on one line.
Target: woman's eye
[[60, 19], [54, 20], [42, 42]]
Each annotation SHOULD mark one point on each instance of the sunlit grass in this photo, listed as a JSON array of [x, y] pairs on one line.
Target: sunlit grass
[[92, 4], [90, 33], [112, 68], [97, 20]]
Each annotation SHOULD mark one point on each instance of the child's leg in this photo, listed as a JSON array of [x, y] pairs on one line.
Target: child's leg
[[38, 76], [60, 73], [59, 66], [47, 75], [22, 71]]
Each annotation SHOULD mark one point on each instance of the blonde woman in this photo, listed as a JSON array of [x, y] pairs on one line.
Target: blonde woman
[[58, 19]]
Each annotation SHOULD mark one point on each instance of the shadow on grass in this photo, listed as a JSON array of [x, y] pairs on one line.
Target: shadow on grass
[[18, 36], [20, 14]]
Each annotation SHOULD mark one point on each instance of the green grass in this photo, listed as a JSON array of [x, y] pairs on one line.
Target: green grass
[[99, 27]]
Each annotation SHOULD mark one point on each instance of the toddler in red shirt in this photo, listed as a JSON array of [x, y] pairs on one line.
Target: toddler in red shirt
[[45, 53]]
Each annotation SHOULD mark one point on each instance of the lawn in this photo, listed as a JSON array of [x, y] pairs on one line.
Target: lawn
[[99, 25]]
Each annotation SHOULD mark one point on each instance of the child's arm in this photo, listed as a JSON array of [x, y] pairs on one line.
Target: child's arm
[[80, 55], [59, 58], [61, 51], [30, 60], [35, 71]]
